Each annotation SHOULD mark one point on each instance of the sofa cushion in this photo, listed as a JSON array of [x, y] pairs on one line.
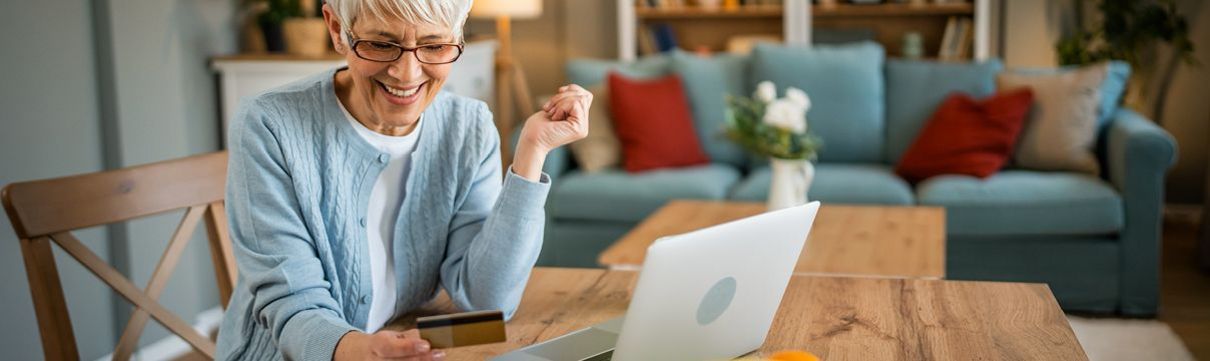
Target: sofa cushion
[[708, 80], [837, 183], [601, 148], [614, 195], [914, 89], [651, 118], [845, 83], [1061, 130], [967, 136], [590, 72], [1020, 202], [1112, 89]]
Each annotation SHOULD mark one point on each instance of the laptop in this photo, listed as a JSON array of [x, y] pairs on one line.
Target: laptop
[[707, 294]]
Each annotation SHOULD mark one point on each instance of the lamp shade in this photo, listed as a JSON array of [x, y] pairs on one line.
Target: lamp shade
[[516, 9]]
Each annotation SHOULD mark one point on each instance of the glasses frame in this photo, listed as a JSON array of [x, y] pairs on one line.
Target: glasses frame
[[354, 40]]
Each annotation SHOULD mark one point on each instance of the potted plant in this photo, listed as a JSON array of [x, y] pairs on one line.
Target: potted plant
[[306, 35], [271, 20], [777, 128], [1129, 31]]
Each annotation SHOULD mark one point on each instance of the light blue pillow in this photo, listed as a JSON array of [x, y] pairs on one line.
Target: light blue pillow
[[707, 81], [1111, 90], [590, 72], [846, 86], [916, 88]]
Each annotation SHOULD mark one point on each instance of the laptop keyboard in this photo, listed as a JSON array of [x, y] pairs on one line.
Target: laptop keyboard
[[606, 356]]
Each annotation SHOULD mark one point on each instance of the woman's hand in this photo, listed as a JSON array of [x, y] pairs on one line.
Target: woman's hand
[[562, 120], [383, 345]]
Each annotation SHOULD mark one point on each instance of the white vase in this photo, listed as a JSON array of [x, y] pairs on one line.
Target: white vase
[[791, 181]]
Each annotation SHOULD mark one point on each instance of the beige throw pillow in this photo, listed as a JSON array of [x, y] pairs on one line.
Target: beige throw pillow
[[1060, 132], [600, 149]]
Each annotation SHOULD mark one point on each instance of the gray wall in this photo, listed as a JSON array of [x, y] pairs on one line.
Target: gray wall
[[50, 128], [166, 108], [1187, 112], [90, 85]]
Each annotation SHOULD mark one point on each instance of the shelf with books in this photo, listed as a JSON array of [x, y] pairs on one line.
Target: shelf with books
[[697, 12], [696, 34], [943, 30], [646, 26], [892, 10]]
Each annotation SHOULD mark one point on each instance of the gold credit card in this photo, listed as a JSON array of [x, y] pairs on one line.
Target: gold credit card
[[462, 329]]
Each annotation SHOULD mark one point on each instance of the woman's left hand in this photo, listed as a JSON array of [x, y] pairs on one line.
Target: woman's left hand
[[562, 120]]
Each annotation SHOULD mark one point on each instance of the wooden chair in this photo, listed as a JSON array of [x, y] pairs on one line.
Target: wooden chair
[[46, 211]]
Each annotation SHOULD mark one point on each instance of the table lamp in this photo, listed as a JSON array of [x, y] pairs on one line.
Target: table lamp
[[508, 71]]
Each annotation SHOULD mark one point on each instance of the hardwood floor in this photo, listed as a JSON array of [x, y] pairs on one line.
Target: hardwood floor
[[1184, 290]]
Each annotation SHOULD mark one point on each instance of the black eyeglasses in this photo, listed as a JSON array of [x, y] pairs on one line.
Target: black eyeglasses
[[385, 51]]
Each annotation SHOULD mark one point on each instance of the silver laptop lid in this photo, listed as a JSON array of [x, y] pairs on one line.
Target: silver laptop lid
[[712, 293]]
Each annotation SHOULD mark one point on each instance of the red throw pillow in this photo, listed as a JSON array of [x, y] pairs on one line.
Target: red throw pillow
[[652, 121], [967, 136]]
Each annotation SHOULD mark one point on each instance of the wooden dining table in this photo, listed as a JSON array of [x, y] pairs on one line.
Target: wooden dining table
[[835, 318], [853, 240]]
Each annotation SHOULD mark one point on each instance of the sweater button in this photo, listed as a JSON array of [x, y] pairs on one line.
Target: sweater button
[[383, 158], [362, 222], [365, 299]]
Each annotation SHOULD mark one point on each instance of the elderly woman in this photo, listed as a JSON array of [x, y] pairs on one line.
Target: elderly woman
[[354, 194]]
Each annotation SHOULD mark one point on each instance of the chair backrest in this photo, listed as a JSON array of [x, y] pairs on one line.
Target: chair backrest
[[47, 211]]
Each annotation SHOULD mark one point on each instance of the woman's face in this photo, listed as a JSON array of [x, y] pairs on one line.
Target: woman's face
[[392, 94]]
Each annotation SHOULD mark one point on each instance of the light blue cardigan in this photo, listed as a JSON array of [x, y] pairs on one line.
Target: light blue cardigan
[[298, 184]]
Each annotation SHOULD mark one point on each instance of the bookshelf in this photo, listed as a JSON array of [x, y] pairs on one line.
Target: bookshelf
[[795, 21], [893, 10], [693, 12]]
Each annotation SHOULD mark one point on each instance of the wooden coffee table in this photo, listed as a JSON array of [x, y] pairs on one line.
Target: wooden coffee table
[[836, 318], [845, 240]]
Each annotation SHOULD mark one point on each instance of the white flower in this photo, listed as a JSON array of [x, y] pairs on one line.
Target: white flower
[[799, 97], [765, 92], [786, 114]]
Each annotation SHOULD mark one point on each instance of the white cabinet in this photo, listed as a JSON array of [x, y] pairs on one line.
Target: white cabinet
[[247, 75]]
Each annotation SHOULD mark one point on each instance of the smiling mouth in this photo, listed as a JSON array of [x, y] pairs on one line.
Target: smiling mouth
[[400, 93]]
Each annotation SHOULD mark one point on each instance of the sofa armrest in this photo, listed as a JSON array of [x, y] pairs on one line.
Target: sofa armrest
[[1137, 145], [1139, 154], [558, 161]]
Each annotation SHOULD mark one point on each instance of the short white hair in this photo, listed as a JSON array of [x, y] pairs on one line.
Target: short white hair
[[448, 13]]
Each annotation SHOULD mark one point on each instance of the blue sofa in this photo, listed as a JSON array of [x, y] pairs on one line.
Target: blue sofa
[[1094, 240]]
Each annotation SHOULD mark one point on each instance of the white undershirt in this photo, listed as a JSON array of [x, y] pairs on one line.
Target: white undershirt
[[385, 200]]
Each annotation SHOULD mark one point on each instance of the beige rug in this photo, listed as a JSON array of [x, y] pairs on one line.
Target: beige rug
[[1113, 339]]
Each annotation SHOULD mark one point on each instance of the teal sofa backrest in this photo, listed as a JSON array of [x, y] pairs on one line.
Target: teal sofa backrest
[[916, 88], [867, 109], [845, 83], [708, 81], [590, 72]]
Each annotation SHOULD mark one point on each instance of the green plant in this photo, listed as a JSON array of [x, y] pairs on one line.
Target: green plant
[[1127, 29], [745, 126], [280, 10]]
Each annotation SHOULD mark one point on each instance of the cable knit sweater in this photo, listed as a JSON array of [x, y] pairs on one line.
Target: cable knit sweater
[[298, 184]]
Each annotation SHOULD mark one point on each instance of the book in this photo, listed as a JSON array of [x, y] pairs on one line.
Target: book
[[965, 40], [646, 41], [946, 49], [665, 37]]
